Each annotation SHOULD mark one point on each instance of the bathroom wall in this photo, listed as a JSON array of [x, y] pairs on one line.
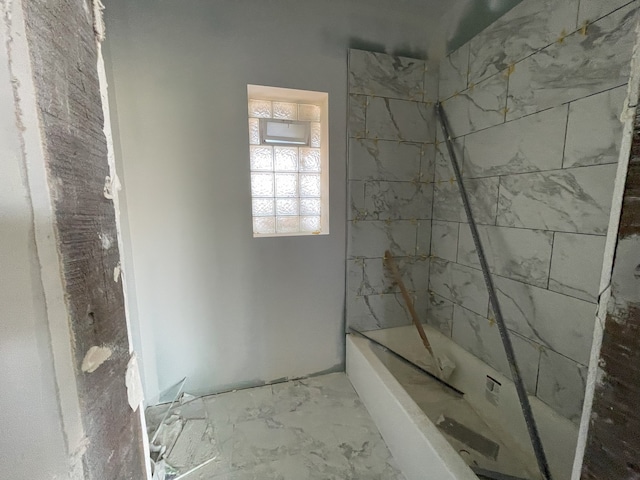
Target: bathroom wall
[[29, 404], [207, 300], [390, 171], [534, 104]]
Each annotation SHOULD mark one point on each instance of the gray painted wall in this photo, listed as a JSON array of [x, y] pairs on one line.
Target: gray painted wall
[[213, 303], [29, 409]]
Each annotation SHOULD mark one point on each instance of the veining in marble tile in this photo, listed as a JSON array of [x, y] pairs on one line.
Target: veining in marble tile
[[414, 272], [579, 66], [389, 119], [431, 81], [383, 75], [516, 253], [444, 239], [453, 72], [594, 129], [592, 10], [571, 200], [383, 160], [356, 284], [356, 208], [398, 200], [427, 162], [561, 384], [576, 265], [372, 312], [483, 196], [460, 284], [564, 324], [439, 313], [443, 168], [476, 334], [313, 429], [480, 106], [370, 238], [357, 116], [423, 242], [529, 144], [526, 28]]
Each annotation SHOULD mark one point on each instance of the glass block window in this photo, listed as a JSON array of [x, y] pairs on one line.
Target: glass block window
[[289, 182]]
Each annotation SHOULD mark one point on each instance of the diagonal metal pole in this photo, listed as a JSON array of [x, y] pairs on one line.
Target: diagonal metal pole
[[493, 300]]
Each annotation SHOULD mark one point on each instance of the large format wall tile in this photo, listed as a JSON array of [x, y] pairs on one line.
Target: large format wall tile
[[592, 10], [383, 160], [428, 162], [355, 278], [356, 200], [389, 119], [439, 313], [594, 129], [576, 67], [371, 312], [384, 75], [398, 200], [444, 239], [576, 265], [462, 285], [371, 239], [481, 337], [564, 324], [483, 196], [571, 200], [529, 144], [431, 81], [481, 106], [526, 28], [453, 73], [561, 384], [357, 116], [414, 272], [443, 168], [516, 253]]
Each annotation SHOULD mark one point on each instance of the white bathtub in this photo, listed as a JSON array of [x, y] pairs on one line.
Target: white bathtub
[[421, 451]]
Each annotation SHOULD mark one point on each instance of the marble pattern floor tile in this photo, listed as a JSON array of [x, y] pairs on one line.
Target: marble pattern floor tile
[[315, 428]]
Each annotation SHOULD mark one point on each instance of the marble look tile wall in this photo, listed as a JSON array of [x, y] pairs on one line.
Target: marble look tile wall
[[534, 103], [392, 162]]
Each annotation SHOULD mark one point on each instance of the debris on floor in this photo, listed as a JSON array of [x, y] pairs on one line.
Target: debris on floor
[[176, 435]]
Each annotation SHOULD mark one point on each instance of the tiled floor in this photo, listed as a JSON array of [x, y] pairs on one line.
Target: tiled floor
[[309, 429]]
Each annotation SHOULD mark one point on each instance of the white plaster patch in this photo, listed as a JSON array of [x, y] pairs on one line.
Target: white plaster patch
[[95, 357], [135, 394], [111, 186], [116, 272], [105, 240]]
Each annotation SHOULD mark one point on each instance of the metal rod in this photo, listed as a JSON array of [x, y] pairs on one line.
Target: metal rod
[[493, 300]]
